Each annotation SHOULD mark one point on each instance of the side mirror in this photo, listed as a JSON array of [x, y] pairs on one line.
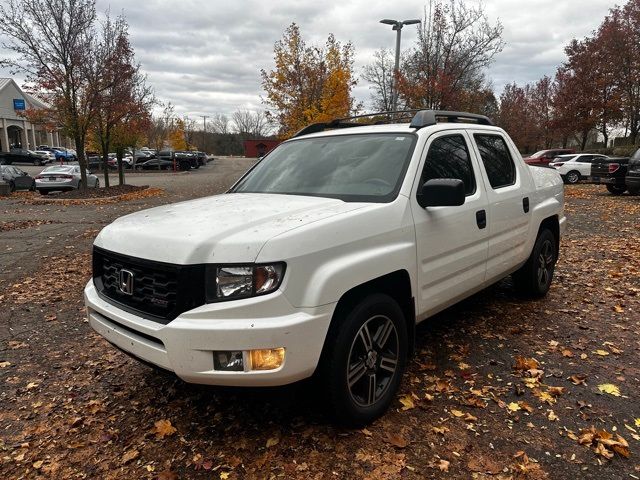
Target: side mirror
[[441, 192]]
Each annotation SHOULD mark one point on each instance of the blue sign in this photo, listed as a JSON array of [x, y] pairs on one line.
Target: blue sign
[[19, 104]]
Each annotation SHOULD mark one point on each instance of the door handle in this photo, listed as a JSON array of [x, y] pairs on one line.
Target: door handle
[[525, 204], [481, 219]]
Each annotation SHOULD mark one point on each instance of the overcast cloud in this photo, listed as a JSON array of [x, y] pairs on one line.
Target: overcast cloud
[[205, 56]]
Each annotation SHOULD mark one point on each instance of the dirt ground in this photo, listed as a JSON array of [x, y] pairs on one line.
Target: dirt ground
[[499, 388]]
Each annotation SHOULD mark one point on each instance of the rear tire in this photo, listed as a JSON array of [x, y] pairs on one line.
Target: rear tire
[[616, 189], [534, 278], [572, 177], [364, 359]]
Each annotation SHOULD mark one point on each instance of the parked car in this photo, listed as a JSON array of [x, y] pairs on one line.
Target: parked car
[[48, 155], [610, 172], [544, 157], [21, 155], [63, 177], [326, 254], [183, 160], [65, 154], [632, 179], [155, 164], [201, 157], [16, 178], [127, 161], [573, 168]]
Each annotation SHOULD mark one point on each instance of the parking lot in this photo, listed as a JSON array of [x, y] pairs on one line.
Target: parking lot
[[74, 407]]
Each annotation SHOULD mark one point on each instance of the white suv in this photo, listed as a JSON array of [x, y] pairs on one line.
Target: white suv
[[324, 256], [573, 168]]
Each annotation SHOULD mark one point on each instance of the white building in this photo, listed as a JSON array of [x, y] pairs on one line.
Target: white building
[[17, 131]]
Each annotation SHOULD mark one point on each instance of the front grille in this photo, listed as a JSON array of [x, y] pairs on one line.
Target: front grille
[[159, 291]]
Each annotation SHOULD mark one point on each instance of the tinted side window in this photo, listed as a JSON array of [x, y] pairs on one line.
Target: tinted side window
[[497, 160], [448, 157]]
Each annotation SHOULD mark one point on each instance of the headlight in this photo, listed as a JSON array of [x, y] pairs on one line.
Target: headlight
[[231, 282]]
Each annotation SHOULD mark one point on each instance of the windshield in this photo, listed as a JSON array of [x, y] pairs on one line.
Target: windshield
[[364, 167]]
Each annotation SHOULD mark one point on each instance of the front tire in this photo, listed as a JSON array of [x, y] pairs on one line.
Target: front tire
[[572, 177], [534, 278], [364, 360], [616, 189]]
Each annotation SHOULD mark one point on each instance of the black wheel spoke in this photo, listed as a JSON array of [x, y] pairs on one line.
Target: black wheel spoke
[[383, 334], [388, 363], [356, 372], [373, 386]]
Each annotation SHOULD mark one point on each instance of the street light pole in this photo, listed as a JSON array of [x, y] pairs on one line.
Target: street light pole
[[204, 131], [397, 26]]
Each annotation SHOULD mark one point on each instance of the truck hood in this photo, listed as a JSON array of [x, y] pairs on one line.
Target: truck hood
[[228, 228]]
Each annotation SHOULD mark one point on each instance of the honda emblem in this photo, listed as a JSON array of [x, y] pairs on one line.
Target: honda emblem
[[126, 282]]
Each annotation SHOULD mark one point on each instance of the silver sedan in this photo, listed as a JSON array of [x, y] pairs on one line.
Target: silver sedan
[[63, 177]]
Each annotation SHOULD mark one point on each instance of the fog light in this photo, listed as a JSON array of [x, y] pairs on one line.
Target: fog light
[[228, 361], [267, 359]]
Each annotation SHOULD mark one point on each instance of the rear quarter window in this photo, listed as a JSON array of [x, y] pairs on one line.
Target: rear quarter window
[[497, 160]]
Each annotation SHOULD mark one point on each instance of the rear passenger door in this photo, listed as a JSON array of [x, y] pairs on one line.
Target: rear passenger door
[[509, 193], [451, 242]]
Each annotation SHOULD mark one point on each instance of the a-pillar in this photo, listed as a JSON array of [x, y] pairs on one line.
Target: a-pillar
[[5, 136]]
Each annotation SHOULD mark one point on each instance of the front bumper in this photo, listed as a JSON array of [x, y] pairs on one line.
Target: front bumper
[[185, 346]]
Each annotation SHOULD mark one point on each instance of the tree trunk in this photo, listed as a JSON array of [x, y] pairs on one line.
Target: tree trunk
[[583, 142], [82, 161], [119, 155], [105, 164]]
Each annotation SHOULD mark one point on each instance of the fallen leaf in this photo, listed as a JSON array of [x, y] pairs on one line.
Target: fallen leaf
[[457, 413], [164, 429], [37, 465], [513, 407], [567, 353], [463, 366], [4, 364], [31, 385], [407, 402], [130, 455], [602, 353], [440, 430], [578, 379], [552, 416], [397, 440], [637, 422], [224, 475], [443, 465], [273, 441], [618, 309], [610, 389], [366, 432]]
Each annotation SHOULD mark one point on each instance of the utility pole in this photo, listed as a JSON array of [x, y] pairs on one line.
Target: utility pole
[[204, 132], [397, 26]]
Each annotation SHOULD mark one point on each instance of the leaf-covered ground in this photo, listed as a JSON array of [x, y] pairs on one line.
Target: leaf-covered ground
[[499, 388]]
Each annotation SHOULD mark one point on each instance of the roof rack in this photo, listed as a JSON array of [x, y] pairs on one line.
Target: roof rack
[[422, 118]]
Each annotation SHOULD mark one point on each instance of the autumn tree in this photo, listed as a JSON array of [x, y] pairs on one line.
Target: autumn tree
[[161, 125], [456, 43], [309, 83], [123, 93], [177, 137], [52, 42]]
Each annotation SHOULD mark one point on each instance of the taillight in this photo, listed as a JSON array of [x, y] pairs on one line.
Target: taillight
[[66, 176], [39, 177], [613, 167]]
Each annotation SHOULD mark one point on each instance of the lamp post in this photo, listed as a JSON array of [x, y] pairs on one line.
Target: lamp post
[[397, 26]]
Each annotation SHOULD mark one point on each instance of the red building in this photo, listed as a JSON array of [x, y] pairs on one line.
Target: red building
[[259, 148]]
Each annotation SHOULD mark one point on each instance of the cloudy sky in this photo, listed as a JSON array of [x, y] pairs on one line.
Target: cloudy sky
[[205, 56]]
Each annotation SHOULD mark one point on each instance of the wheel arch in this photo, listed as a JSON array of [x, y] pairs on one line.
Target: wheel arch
[[552, 223], [395, 284]]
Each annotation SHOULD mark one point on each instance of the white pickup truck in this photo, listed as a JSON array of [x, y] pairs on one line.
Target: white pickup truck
[[325, 255]]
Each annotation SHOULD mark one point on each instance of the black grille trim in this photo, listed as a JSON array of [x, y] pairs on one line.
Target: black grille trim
[[161, 291]]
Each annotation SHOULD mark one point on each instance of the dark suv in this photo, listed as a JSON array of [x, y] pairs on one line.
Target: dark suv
[[22, 155], [632, 180], [183, 160]]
